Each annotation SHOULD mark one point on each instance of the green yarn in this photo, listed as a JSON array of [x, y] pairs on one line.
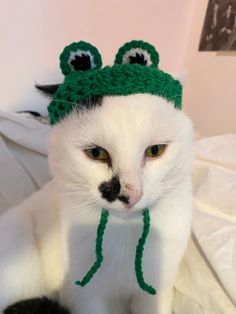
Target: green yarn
[[83, 47], [117, 80], [138, 44], [139, 254], [99, 256]]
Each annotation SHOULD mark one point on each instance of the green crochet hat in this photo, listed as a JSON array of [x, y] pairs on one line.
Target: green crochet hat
[[134, 72]]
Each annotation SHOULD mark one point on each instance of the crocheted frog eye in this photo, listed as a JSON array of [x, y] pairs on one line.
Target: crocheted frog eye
[[80, 56], [137, 52]]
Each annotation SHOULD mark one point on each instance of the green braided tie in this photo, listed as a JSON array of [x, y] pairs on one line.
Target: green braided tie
[[138, 256], [99, 256]]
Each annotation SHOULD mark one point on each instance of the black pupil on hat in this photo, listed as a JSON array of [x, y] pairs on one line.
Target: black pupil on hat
[[95, 152], [81, 63], [154, 149], [138, 58]]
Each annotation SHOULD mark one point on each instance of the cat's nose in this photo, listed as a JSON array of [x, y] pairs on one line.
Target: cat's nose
[[134, 197], [131, 199]]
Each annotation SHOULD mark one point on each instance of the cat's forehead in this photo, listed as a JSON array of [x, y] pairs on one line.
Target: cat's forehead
[[134, 118], [137, 110]]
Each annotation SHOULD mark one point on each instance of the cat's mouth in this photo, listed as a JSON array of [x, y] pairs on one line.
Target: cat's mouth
[[124, 199], [130, 201]]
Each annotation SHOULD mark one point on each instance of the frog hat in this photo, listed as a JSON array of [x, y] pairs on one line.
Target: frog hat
[[135, 71]]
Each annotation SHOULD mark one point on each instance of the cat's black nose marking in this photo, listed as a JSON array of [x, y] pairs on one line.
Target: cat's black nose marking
[[123, 198], [110, 189]]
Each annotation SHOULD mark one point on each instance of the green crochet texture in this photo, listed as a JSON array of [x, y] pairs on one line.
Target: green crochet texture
[[138, 256], [117, 80], [138, 44], [82, 46]]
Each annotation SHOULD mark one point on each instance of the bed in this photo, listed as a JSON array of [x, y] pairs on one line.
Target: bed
[[206, 281]]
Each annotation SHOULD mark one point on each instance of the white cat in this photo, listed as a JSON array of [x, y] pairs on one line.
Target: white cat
[[48, 242]]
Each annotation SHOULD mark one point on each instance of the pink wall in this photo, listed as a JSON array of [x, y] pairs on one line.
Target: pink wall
[[210, 89], [33, 33]]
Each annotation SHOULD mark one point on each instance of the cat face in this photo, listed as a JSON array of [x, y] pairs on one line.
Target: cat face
[[123, 155]]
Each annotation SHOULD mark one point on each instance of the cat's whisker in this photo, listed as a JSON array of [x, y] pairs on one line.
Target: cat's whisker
[[68, 102], [82, 204], [73, 185], [76, 105], [165, 87], [173, 97]]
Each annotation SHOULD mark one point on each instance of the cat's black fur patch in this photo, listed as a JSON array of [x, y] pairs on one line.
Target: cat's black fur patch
[[90, 102], [110, 189], [36, 306], [87, 103]]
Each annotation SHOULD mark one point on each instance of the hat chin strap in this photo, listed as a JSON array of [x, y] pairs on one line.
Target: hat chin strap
[[138, 255]]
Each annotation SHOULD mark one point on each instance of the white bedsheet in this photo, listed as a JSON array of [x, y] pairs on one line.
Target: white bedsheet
[[23, 158], [206, 282]]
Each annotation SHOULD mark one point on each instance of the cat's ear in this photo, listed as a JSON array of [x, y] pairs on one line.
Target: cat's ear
[[137, 52], [180, 76], [80, 56]]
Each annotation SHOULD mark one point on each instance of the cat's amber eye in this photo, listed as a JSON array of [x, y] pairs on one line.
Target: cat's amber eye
[[155, 150], [97, 153]]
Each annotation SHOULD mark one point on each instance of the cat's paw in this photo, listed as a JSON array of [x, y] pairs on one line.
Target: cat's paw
[[36, 306]]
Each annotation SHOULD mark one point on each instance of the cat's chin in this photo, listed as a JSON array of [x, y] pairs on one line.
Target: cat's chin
[[124, 212]]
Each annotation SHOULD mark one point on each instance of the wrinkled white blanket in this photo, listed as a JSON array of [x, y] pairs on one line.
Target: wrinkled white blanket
[[206, 282]]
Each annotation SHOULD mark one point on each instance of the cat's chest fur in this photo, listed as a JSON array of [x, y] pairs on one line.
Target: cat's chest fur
[[117, 272], [119, 243]]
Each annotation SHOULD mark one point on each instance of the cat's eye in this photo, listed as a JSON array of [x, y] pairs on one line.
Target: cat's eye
[[155, 150], [97, 153]]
